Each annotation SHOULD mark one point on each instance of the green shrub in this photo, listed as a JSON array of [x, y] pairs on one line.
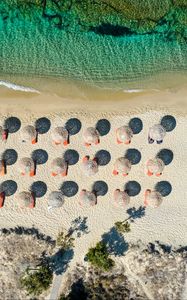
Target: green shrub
[[38, 280], [122, 227], [99, 257], [64, 241]]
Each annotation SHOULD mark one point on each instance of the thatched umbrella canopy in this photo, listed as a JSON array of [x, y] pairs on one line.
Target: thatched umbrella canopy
[[90, 166], [153, 198], [2, 168], [87, 198], [124, 134], [156, 133], [26, 199], [26, 165], [60, 135], [29, 134], [55, 199], [91, 136], [121, 198], [155, 166], [59, 166], [122, 165]]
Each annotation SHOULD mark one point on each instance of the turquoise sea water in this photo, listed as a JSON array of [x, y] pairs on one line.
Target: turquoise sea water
[[39, 49]]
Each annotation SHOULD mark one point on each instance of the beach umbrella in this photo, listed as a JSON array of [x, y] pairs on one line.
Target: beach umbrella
[[87, 198], [27, 166], [122, 165], [124, 134], [152, 198], [156, 133], [26, 199], [59, 166], [154, 166], [2, 168], [60, 135], [3, 134], [91, 136], [90, 166], [121, 198], [29, 134], [55, 199]]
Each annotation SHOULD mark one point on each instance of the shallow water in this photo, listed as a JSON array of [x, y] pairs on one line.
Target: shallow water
[[85, 59]]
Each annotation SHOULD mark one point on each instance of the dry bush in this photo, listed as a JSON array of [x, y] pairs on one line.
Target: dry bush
[[19, 251], [143, 271]]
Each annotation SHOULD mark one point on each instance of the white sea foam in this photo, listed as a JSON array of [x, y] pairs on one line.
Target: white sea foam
[[16, 87], [138, 90]]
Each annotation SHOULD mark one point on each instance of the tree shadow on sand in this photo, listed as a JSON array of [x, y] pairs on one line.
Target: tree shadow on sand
[[135, 213], [115, 242], [79, 226], [19, 230], [60, 261]]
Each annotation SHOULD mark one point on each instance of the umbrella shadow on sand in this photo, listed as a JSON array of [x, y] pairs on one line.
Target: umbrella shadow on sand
[[103, 127], [136, 125], [11, 125], [9, 158], [38, 189], [73, 126], [39, 157], [69, 188], [164, 188], [8, 187]]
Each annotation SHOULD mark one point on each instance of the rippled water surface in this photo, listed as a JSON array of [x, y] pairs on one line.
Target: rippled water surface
[[39, 49]]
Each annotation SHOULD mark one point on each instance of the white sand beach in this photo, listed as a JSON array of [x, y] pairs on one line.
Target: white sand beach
[[166, 223]]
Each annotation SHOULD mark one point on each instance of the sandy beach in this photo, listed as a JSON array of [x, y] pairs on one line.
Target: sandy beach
[[166, 223]]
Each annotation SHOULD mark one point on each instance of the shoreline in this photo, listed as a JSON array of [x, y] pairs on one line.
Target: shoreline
[[25, 102]]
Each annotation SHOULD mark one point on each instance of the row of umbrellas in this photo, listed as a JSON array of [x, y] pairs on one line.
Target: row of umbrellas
[[91, 135], [90, 166], [56, 199]]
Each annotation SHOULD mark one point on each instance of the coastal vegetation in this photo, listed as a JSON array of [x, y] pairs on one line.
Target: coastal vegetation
[[28, 261], [167, 18], [157, 267], [37, 280], [98, 256]]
